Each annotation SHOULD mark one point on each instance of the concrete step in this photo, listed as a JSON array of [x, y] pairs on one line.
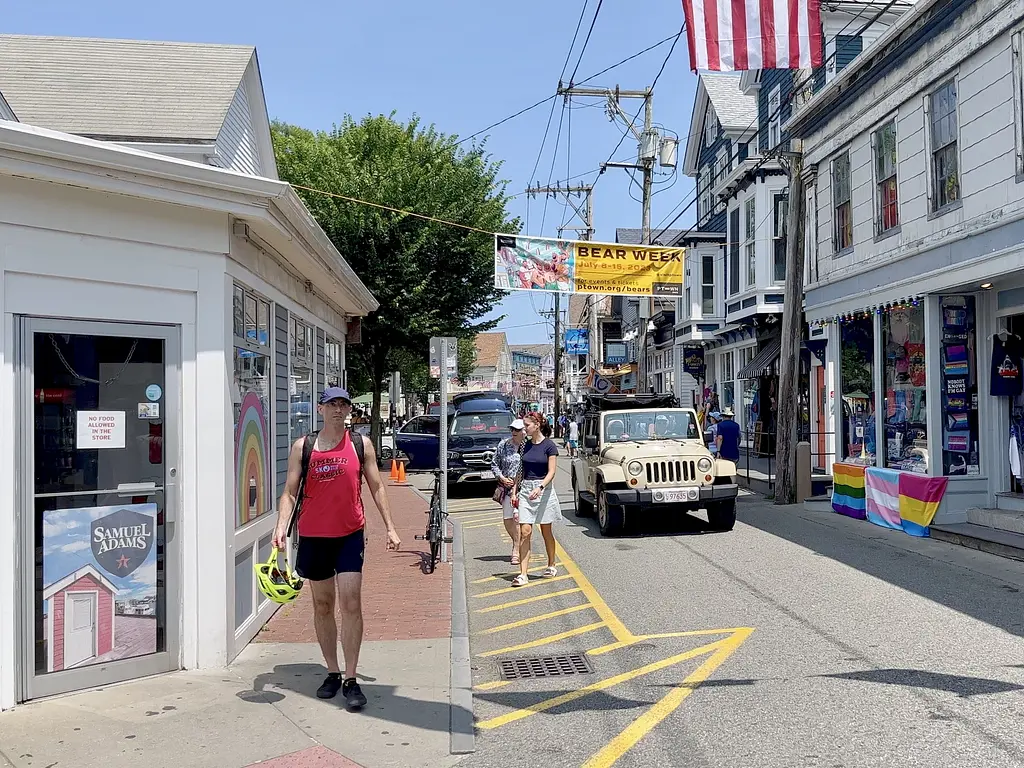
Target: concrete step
[[980, 537], [820, 503], [1011, 502], [999, 519]]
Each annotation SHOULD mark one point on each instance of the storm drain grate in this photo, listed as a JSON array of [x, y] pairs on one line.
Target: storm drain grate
[[544, 666]]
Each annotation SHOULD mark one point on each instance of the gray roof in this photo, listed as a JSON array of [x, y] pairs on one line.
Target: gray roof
[[122, 89], [634, 236], [734, 109]]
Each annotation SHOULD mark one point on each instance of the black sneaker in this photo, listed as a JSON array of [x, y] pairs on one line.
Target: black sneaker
[[330, 687], [354, 698]]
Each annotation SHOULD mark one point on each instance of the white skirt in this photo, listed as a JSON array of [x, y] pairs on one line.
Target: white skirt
[[544, 510]]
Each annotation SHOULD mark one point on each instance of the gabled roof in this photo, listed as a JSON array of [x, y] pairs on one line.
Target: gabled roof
[[488, 348], [6, 113], [667, 237], [86, 570], [735, 110], [540, 350], [122, 89]]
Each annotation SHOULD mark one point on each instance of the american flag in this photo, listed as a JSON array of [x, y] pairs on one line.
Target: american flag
[[728, 35]]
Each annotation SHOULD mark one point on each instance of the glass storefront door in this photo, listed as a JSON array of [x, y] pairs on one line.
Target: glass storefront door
[[98, 442]]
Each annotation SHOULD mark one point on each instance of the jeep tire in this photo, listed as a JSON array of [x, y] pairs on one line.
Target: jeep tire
[[722, 515], [610, 518], [581, 507]]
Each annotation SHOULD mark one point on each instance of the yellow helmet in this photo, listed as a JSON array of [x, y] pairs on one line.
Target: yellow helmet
[[280, 586]]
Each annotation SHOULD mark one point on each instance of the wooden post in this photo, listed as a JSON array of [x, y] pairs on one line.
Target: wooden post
[[792, 332]]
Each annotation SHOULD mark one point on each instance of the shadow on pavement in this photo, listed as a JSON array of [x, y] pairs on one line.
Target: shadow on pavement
[[963, 686], [961, 589], [382, 701]]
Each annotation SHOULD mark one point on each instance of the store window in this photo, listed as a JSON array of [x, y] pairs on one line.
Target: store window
[[959, 387], [728, 385], [334, 363], [251, 404], [300, 379], [857, 384], [906, 432]]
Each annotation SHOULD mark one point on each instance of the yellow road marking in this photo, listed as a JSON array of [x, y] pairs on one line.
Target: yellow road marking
[[545, 640], [533, 583], [502, 578], [643, 725], [618, 629], [535, 619], [524, 601], [482, 525], [492, 685], [601, 685]]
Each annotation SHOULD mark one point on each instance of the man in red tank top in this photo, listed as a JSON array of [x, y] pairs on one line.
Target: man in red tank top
[[330, 529]]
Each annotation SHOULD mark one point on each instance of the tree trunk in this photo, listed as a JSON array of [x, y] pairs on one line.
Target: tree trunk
[[378, 365], [792, 332]]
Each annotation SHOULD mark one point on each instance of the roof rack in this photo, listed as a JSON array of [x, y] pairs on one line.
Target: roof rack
[[621, 402]]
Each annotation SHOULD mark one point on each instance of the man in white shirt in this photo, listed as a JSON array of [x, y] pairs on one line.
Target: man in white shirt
[[572, 444]]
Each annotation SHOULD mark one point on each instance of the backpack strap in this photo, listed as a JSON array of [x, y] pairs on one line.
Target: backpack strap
[[360, 449], [307, 452]]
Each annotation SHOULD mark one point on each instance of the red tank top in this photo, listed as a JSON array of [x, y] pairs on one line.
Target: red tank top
[[332, 503]]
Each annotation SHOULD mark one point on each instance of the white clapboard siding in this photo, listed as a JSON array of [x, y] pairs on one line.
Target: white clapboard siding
[[236, 144]]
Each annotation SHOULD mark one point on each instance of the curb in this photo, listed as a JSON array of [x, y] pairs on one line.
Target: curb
[[461, 728], [463, 732]]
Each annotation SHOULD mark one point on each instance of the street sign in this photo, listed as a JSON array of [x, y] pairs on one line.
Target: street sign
[[447, 346]]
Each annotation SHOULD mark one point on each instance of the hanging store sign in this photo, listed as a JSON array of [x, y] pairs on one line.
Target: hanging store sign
[[693, 361], [577, 341], [581, 266]]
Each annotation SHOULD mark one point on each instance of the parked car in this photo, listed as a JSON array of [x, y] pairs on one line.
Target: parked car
[[387, 441], [642, 456], [475, 430]]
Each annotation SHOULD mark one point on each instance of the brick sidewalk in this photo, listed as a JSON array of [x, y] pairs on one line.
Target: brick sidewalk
[[400, 600]]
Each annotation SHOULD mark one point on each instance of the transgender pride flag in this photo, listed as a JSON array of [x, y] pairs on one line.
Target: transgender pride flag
[[882, 493]]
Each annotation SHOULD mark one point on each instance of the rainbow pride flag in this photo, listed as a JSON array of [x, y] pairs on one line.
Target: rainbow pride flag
[[919, 501], [903, 501], [848, 490]]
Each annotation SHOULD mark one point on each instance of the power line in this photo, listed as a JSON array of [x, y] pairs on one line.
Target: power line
[[583, 50]]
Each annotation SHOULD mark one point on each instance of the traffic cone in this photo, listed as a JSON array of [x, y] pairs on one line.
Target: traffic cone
[[401, 472], [394, 469]]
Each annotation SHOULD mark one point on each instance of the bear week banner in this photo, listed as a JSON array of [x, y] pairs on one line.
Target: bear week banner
[[581, 266]]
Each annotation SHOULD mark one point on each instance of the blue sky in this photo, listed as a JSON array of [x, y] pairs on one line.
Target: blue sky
[[459, 64]]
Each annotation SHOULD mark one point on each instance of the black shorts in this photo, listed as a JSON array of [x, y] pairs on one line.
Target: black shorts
[[320, 557]]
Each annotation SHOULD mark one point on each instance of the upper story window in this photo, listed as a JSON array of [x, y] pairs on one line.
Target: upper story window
[[774, 117], [780, 204], [842, 207], [707, 286], [883, 143], [704, 182], [750, 243], [734, 251], [944, 134], [710, 127], [721, 165]]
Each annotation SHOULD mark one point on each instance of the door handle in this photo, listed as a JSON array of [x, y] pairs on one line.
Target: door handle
[[135, 489]]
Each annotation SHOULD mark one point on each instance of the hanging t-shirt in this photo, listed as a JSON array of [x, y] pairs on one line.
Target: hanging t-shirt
[[1006, 367]]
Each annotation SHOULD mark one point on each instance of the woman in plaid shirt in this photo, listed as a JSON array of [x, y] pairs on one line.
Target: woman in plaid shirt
[[507, 466]]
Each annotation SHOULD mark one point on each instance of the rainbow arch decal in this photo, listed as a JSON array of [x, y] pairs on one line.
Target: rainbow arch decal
[[252, 450]]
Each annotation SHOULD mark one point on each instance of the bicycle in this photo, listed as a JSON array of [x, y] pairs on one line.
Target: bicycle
[[435, 524]]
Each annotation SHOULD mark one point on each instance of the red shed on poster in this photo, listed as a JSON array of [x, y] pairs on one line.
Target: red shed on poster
[[80, 619]]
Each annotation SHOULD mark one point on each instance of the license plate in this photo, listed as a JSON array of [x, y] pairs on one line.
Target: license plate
[[676, 495], [486, 475]]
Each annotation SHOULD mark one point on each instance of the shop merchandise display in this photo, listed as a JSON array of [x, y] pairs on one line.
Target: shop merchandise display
[[906, 430], [959, 387], [1006, 365], [858, 420]]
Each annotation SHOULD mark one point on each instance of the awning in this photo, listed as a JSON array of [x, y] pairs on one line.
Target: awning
[[764, 363]]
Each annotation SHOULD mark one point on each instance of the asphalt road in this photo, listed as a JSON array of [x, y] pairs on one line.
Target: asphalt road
[[823, 641]]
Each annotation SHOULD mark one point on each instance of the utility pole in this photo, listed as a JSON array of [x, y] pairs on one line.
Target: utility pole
[[792, 330], [585, 212], [646, 156]]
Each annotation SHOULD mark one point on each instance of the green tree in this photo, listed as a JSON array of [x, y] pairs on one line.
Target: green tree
[[431, 279]]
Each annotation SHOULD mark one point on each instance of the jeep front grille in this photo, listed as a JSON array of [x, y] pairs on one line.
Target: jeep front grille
[[669, 472]]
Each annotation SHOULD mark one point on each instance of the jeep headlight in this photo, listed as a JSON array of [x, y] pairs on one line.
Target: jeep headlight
[[634, 467], [704, 464]]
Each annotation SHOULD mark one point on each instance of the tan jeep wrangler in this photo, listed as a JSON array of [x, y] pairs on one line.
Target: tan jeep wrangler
[[642, 455]]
